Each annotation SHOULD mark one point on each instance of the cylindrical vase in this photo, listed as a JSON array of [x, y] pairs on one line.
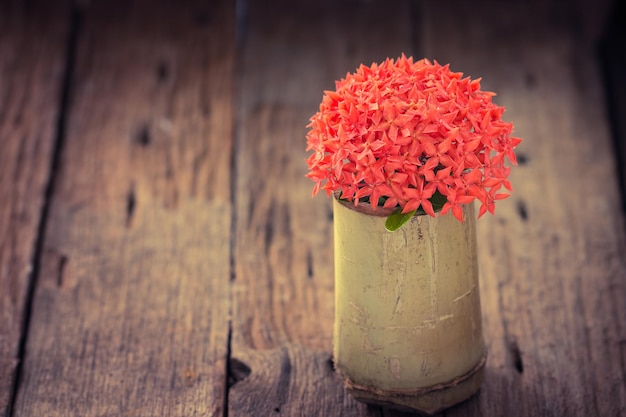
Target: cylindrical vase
[[407, 330]]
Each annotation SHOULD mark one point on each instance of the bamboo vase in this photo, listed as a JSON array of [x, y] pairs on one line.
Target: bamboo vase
[[407, 330]]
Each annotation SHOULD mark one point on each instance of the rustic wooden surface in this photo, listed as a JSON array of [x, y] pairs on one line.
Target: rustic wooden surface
[[32, 59], [130, 313], [182, 268]]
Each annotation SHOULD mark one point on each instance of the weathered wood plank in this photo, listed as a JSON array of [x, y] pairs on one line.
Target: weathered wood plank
[[32, 62], [283, 301], [130, 316], [552, 260], [613, 56]]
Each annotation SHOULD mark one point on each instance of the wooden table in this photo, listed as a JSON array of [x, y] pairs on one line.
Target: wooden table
[[160, 253]]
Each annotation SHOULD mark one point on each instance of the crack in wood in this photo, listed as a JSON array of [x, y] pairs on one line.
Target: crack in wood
[[516, 356], [269, 226], [522, 159], [522, 211], [612, 64], [309, 265], [131, 203], [330, 363], [237, 371], [143, 136], [65, 91], [284, 380], [61, 270]]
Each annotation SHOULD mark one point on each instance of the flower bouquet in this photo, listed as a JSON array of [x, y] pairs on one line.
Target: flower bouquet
[[406, 148]]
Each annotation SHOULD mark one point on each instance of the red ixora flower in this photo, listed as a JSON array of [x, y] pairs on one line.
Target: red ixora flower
[[402, 133]]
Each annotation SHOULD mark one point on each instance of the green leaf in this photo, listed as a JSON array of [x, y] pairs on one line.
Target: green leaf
[[396, 219], [438, 200]]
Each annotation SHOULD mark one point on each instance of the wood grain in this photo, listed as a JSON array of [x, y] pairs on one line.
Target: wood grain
[[613, 57], [283, 300], [32, 62], [130, 317], [552, 259]]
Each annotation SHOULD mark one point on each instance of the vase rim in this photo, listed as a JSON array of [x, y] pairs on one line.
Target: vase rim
[[367, 209], [364, 208]]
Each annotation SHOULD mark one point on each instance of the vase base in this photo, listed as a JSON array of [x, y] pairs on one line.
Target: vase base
[[426, 400]]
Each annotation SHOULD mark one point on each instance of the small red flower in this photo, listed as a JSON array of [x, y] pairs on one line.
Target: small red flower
[[400, 133]]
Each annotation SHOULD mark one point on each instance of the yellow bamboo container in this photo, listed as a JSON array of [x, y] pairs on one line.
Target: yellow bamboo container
[[407, 330]]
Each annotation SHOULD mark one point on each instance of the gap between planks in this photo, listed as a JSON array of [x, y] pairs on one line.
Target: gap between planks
[[75, 23]]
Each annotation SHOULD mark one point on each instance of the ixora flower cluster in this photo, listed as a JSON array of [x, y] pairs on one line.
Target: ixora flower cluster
[[412, 137]]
